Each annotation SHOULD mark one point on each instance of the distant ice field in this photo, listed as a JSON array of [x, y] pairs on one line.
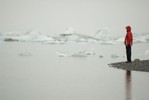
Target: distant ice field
[[102, 36]]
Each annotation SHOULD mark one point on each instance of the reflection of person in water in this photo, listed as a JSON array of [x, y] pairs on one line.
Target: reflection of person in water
[[128, 85], [128, 42]]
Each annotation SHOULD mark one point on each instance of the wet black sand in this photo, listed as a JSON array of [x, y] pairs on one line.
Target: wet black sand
[[136, 65]]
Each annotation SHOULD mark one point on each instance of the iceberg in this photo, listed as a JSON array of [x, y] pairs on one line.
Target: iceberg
[[30, 36], [33, 36], [102, 36], [70, 35], [141, 38], [68, 31]]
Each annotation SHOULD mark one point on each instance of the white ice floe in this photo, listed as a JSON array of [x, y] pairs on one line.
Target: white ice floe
[[60, 54], [101, 56], [85, 53], [89, 53], [25, 54], [77, 54], [114, 56]]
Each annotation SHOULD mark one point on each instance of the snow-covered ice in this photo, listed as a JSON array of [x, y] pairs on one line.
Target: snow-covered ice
[[103, 36]]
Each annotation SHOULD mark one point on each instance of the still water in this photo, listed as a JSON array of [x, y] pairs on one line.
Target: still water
[[34, 71]]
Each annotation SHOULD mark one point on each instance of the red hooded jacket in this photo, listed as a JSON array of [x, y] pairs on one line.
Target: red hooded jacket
[[128, 37]]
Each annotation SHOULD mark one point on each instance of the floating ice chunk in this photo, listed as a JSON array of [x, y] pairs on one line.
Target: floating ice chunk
[[114, 56], [83, 54], [25, 54], [101, 56], [79, 54], [10, 39], [60, 54], [90, 53]]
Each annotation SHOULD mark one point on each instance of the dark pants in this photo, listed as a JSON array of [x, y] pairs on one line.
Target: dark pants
[[128, 53]]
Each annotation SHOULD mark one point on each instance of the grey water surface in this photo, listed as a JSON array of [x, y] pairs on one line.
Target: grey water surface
[[34, 71]]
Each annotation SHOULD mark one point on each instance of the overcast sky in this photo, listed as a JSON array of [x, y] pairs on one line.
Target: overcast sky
[[85, 16]]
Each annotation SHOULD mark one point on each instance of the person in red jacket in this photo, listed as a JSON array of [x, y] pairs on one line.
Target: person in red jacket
[[128, 43]]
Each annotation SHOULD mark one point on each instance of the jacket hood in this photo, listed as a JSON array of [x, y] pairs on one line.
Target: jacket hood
[[128, 28]]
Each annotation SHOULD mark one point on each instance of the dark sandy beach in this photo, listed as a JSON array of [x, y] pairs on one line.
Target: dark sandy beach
[[136, 65]]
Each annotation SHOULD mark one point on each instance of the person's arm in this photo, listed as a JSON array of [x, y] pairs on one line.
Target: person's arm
[[125, 41], [131, 39]]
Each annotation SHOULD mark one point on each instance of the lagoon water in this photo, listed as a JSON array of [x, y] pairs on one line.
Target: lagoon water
[[34, 71]]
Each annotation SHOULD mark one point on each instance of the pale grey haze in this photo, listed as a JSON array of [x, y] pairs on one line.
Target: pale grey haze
[[85, 16]]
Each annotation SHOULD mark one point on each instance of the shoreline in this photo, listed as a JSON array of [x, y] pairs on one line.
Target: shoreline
[[136, 65]]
